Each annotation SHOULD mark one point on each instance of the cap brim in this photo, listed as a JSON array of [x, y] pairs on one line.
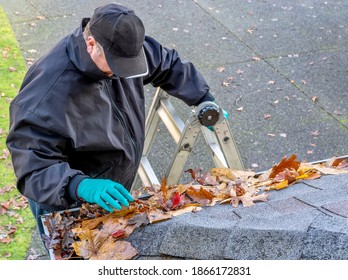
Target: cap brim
[[127, 67]]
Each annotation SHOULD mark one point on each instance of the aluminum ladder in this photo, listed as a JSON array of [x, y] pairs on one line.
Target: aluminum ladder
[[220, 140]]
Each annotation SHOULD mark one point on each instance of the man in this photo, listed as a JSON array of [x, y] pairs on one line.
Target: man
[[77, 125]]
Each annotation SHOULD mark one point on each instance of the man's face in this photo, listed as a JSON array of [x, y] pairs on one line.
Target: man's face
[[97, 55]]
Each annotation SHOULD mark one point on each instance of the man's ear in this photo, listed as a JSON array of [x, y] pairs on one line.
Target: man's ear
[[90, 42]]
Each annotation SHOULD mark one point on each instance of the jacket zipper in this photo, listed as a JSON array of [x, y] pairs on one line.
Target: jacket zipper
[[122, 120]]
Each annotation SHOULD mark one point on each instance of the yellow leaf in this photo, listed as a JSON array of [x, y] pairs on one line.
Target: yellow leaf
[[281, 185], [304, 168], [303, 176]]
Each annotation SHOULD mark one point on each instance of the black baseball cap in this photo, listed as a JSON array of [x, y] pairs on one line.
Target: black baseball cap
[[121, 34]]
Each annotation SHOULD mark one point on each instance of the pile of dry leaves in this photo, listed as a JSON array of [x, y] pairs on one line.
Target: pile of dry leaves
[[91, 233]]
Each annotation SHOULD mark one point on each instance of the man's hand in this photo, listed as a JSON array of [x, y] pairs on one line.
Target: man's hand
[[105, 193]]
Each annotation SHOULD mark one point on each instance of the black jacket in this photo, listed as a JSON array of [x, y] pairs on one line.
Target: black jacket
[[71, 121]]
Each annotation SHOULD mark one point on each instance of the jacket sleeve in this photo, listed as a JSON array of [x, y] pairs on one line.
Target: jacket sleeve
[[39, 161], [179, 79]]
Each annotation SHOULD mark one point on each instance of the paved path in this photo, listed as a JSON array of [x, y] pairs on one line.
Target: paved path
[[278, 67]]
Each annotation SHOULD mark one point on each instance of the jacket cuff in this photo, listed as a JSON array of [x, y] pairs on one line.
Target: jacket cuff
[[72, 187], [207, 97]]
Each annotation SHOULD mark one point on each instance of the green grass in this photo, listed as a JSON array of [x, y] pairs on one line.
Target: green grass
[[12, 71]]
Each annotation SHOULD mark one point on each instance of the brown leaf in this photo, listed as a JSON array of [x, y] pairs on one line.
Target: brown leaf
[[7, 188], [164, 188], [290, 163], [201, 195], [3, 210], [6, 232], [312, 176], [337, 112], [231, 174], [248, 200], [5, 154], [315, 133], [5, 54], [328, 170], [115, 250], [110, 225], [205, 179], [6, 204], [341, 164], [90, 242], [288, 175], [186, 209], [6, 239], [19, 202], [245, 196], [157, 215], [138, 220], [314, 98], [92, 223]]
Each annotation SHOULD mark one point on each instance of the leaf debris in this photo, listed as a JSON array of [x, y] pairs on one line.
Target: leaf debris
[[92, 233]]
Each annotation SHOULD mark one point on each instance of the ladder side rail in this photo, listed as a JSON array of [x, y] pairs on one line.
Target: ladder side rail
[[184, 148], [171, 119], [146, 173], [152, 121], [228, 145], [215, 149]]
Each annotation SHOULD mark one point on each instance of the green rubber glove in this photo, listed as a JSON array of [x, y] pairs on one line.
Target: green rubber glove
[[225, 114], [211, 128], [105, 193]]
